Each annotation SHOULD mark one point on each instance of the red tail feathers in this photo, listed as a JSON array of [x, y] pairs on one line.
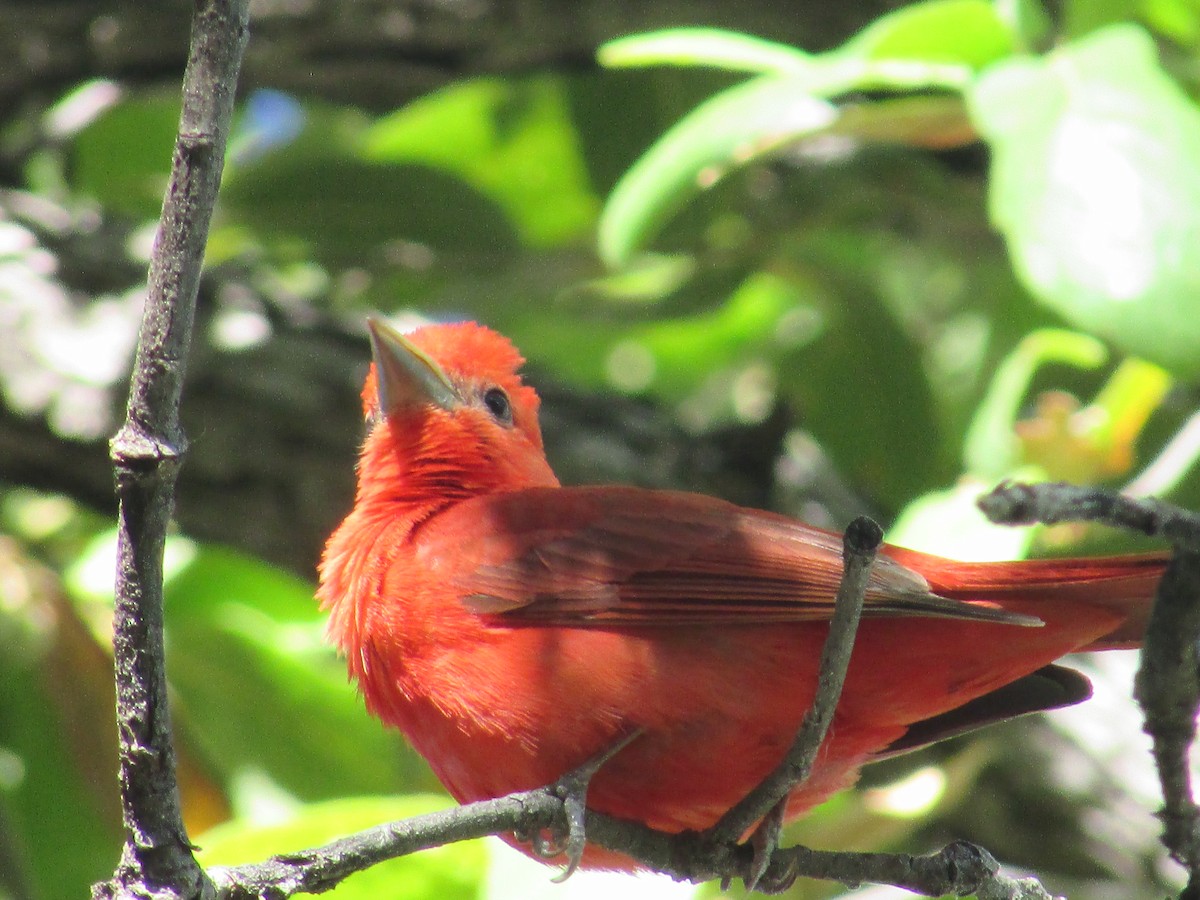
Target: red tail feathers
[[1124, 584]]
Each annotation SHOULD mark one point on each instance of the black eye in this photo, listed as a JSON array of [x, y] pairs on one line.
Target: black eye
[[497, 403]]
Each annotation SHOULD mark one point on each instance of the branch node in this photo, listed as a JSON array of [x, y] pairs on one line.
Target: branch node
[[863, 536], [138, 450]]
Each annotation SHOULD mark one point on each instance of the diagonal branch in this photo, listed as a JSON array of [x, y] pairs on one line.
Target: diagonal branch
[[859, 544], [147, 452]]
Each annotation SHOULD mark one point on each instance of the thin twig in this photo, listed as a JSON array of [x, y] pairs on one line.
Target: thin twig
[[1024, 504], [147, 452], [1167, 685], [860, 543]]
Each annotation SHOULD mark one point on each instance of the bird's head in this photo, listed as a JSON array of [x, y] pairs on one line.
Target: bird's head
[[449, 414]]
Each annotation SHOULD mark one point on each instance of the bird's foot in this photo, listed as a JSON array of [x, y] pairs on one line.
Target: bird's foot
[[764, 841], [571, 838]]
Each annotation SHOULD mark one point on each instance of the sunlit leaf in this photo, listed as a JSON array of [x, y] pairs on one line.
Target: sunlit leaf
[[650, 277], [1131, 395], [689, 360], [1095, 187], [1082, 17], [1177, 19], [1084, 444], [512, 141], [969, 32], [728, 130], [1028, 21], [933, 45], [990, 449], [703, 47]]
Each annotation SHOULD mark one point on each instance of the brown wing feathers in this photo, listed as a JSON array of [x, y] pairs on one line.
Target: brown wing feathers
[[582, 557]]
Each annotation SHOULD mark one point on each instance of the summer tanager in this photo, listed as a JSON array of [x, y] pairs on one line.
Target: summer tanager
[[513, 628]]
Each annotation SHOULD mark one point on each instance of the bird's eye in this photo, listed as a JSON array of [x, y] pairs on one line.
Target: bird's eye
[[497, 403]]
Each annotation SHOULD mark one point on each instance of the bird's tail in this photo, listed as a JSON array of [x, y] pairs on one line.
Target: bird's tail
[[1123, 584]]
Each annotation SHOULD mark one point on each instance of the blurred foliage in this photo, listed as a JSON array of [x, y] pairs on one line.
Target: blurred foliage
[[963, 246]]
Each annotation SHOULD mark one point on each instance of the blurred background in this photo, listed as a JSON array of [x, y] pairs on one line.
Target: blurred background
[[828, 259]]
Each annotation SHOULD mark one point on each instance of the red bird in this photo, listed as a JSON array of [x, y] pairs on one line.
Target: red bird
[[513, 628]]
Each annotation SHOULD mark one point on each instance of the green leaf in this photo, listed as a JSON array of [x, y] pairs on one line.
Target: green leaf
[[727, 130], [863, 375], [687, 359], [1177, 19], [512, 141], [929, 120], [243, 638], [1096, 189], [990, 449], [703, 47], [1133, 393], [362, 208], [968, 32], [316, 199], [454, 870], [931, 46], [649, 278], [685, 352], [1028, 20], [123, 158], [59, 836], [1081, 17]]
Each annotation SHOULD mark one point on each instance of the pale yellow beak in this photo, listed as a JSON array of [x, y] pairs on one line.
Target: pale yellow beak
[[405, 376]]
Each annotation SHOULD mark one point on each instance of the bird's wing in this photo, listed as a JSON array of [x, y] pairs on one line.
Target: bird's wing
[[609, 556]]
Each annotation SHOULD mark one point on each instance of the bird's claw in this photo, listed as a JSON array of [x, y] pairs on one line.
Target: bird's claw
[[572, 790], [778, 882], [764, 842]]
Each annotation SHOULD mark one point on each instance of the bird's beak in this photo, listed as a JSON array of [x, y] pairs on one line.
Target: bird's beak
[[405, 376]]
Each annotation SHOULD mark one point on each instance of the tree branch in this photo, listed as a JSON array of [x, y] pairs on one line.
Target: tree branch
[[1013, 503], [1167, 686], [147, 451], [859, 545]]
